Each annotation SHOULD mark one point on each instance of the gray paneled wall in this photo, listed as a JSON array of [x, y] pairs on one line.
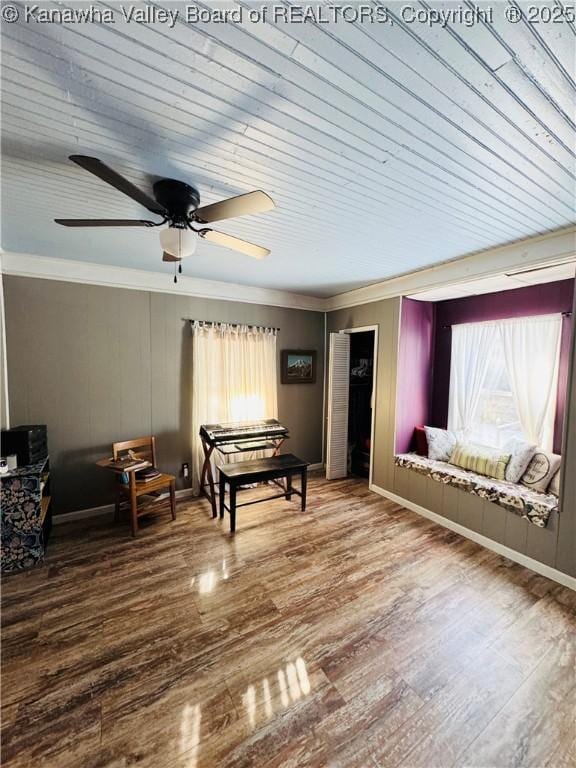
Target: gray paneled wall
[[481, 516], [101, 364], [385, 314], [555, 545]]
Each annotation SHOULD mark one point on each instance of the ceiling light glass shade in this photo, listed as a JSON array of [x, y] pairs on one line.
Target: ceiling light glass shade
[[178, 242]]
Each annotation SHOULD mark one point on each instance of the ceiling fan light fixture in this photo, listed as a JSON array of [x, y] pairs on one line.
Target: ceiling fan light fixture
[[178, 242], [178, 204]]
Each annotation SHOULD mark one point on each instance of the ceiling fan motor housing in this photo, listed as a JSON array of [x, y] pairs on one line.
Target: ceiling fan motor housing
[[178, 198]]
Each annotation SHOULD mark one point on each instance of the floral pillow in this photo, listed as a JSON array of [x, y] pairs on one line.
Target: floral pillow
[[441, 443], [541, 470], [521, 454]]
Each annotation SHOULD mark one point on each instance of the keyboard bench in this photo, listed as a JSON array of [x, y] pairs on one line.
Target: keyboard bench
[[259, 471]]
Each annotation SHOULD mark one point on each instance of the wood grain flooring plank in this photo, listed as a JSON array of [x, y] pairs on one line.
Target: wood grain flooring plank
[[354, 635], [439, 732], [538, 720]]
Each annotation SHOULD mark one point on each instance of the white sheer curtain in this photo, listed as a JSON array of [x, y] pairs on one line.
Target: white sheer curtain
[[472, 345], [532, 353], [233, 379], [505, 361]]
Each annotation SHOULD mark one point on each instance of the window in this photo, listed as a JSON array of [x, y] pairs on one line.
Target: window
[[496, 418], [233, 379], [503, 380]]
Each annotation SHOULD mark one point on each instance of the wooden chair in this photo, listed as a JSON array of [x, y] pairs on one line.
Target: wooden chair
[[143, 448]]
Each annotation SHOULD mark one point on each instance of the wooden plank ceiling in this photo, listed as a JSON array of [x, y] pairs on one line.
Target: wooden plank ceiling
[[388, 147]]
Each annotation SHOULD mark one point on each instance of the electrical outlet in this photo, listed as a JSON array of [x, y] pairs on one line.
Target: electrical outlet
[[185, 469]]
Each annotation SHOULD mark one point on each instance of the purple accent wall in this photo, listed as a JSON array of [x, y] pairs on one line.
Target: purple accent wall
[[545, 299], [415, 358]]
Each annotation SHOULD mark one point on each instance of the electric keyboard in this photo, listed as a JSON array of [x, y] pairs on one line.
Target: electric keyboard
[[237, 437], [243, 431]]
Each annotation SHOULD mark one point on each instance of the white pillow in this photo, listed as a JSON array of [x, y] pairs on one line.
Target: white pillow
[[521, 454], [542, 468], [441, 443]]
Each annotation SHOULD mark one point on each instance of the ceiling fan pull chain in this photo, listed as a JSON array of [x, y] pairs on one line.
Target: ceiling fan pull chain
[[180, 269]]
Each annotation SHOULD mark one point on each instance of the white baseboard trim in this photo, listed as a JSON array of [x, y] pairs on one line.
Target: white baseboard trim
[[500, 549], [81, 514], [107, 509]]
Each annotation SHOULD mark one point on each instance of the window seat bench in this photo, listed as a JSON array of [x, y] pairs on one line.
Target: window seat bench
[[534, 506]]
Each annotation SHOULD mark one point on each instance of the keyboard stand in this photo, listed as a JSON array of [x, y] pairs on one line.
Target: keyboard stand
[[207, 484]]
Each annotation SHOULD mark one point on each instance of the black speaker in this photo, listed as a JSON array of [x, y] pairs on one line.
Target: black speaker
[[29, 442]]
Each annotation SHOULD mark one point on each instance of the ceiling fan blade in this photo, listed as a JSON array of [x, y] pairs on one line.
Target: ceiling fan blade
[[252, 202], [104, 222], [169, 257], [98, 168], [219, 238]]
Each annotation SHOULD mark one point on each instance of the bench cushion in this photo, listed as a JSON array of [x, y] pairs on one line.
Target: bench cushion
[[535, 507], [283, 463]]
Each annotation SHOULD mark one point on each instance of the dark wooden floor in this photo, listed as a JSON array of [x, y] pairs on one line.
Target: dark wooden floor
[[356, 634]]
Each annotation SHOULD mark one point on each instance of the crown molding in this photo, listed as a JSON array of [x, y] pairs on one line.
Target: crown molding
[[541, 250], [533, 251], [67, 270]]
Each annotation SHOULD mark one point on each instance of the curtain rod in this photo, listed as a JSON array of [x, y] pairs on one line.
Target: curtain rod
[[564, 314], [234, 325]]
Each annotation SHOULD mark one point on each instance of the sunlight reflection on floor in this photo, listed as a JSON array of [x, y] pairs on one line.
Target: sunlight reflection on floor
[[292, 684], [206, 582], [190, 734]]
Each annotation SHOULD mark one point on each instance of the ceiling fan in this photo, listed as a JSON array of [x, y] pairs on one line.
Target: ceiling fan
[[178, 205]]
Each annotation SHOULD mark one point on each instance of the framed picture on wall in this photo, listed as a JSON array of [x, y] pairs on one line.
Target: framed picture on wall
[[298, 366]]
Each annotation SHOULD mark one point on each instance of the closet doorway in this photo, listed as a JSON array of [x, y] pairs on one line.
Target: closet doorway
[[351, 402]]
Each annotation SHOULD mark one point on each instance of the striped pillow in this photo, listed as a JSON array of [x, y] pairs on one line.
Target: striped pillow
[[481, 459]]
